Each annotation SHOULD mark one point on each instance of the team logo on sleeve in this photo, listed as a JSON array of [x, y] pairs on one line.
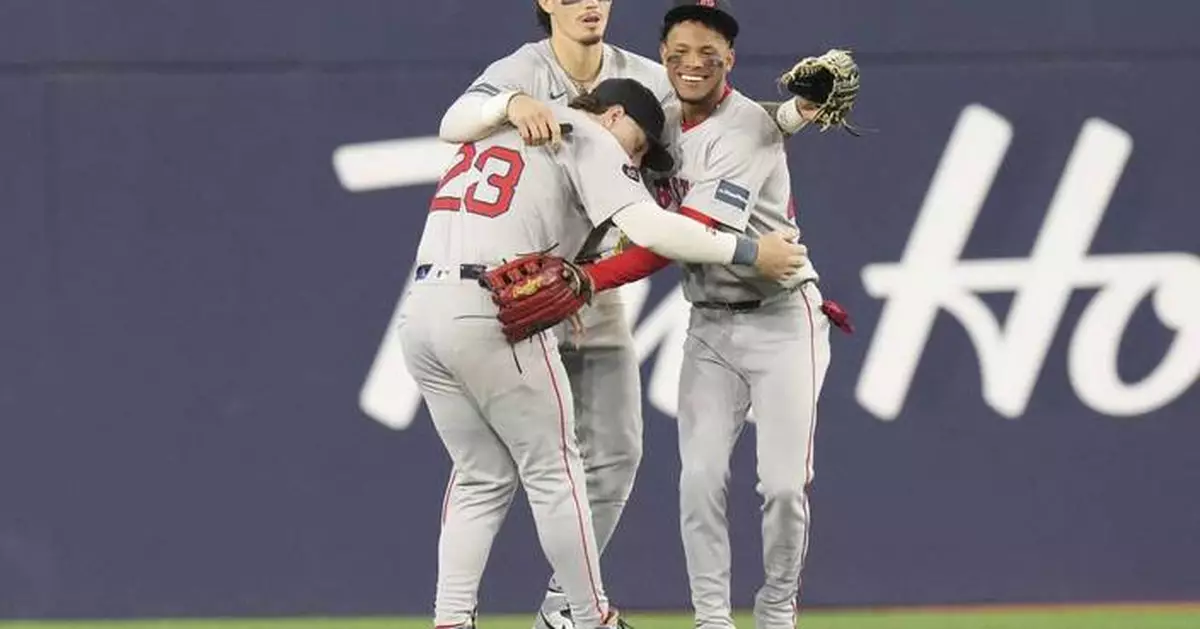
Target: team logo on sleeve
[[664, 195], [732, 194], [632, 172]]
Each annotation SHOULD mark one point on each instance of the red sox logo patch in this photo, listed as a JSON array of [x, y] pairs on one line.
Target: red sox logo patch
[[670, 192], [662, 194], [680, 188], [632, 172]]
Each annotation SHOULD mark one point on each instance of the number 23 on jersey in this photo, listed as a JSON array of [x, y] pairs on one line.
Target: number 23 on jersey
[[493, 175]]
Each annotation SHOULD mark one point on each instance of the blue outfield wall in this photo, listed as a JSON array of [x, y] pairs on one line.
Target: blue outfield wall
[[208, 212]]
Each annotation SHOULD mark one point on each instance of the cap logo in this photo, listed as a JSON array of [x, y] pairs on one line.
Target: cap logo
[[708, 3]]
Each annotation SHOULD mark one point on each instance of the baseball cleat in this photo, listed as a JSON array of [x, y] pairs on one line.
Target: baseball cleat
[[554, 619]]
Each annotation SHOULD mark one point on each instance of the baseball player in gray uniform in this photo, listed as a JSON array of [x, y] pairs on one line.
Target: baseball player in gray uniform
[[504, 411], [602, 366], [754, 346]]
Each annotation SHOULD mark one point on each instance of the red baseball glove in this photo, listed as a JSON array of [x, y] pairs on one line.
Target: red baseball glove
[[536, 292]]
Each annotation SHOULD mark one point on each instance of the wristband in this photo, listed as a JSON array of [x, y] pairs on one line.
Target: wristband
[[745, 252], [788, 119]]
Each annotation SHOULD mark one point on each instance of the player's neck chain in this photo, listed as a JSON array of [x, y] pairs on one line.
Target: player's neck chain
[[582, 86]]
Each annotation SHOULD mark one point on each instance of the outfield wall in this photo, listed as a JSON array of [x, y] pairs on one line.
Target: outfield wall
[[208, 211]]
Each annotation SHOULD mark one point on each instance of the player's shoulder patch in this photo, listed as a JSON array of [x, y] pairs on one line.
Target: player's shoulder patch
[[632, 172], [732, 194]]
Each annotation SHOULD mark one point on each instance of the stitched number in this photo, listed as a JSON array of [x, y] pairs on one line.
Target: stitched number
[[499, 170], [505, 166], [461, 165]]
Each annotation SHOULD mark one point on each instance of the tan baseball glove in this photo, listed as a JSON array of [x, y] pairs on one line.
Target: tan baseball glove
[[830, 81]]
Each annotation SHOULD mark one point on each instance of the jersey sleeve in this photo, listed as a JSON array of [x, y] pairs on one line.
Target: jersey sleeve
[[737, 163], [515, 72], [481, 109], [602, 173]]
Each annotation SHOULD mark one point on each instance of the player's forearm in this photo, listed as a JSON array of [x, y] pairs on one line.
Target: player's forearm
[[474, 116], [631, 265], [680, 238]]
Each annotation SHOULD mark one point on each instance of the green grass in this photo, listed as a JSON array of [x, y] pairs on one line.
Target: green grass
[[1016, 618]]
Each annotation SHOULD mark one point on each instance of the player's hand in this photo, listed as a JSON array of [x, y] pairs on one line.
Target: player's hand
[[807, 109], [779, 255], [534, 120]]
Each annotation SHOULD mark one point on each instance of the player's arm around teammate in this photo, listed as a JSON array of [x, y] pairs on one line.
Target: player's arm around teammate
[[501, 95], [774, 255], [777, 256]]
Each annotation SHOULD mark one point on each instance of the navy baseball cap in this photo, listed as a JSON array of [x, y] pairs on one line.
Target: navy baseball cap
[[716, 13], [642, 105]]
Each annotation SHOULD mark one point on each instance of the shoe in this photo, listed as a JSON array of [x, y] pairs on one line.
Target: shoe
[[554, 619], [555, 612]]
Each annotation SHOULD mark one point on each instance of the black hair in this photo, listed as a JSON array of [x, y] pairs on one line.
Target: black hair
[[543, 18], [710, 19], [588, 103]]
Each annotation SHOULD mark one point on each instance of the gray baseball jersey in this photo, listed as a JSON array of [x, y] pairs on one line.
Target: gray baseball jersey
[[504, 412], [500, 198], [769, 360], [733, 169]]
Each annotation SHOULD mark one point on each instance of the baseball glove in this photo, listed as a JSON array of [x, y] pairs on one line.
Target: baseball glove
[[537, 291], [830, 81]]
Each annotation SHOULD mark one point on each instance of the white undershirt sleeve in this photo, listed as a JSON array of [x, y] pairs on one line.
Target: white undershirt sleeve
[[475, 116], [674, 236]]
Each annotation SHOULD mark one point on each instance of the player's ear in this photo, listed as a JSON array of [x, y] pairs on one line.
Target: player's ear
[[612, 115], [662, 52], [730, 59]]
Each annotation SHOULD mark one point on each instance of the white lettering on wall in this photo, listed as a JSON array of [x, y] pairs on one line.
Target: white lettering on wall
[[931, 276]]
